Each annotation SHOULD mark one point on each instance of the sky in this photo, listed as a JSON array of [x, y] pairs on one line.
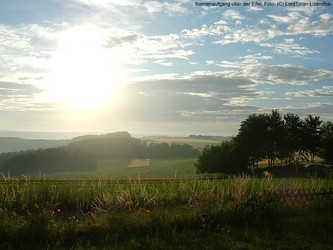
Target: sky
[[174, 67]]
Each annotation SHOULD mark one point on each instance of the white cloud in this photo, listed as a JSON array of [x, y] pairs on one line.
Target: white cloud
[[289, 47], [248, 61], [164, 63], [299, 24], [284, 74], [228, 64], [210, 62], [14, 96], [295, 22], [216, 29], [254, 9], [13, 40], [153, 6], [255, 34], [168, 7], [256, 57], [326, 18], [232, 15], [325, 91], [203, 95]]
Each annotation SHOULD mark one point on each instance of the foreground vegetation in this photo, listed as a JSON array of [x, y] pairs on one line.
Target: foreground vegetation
[[236, 213]]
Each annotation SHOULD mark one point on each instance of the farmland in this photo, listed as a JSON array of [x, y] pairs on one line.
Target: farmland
[[234, 213], [121, 169]]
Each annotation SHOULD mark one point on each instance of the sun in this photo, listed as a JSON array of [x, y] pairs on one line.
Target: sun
[[85, 82], [83, 75]]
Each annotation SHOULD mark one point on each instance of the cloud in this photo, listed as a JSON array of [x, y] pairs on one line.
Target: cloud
[[284, 74], [289, 47], [325, 91], [15, 96], [137, 46], [164, 63], [301, 24], [179, 98], [322, 109], [294, 23], [254, 9], [251, 68], [13, 40], [253, 34], [117, 41], [248, 61], [148, 6], [216, 29], [232, 15], [171, 8]]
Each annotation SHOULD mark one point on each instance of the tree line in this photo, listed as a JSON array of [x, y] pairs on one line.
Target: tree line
[[83, 153], [287, 140]]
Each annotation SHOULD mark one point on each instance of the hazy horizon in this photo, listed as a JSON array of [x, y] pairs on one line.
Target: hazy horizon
[[66, 135]]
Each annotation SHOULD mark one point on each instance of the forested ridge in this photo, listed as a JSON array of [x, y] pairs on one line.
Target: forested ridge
[[83, 153]]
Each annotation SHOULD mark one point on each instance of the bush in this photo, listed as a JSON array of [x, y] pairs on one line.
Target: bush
[[228, 158]]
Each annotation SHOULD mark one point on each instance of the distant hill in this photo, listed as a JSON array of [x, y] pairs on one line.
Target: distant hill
[[211, 137], [196, 141], [82, 154], [11, 144]]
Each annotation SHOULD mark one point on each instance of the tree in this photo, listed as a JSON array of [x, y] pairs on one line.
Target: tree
[[327, 142], [275, 137], [226, 158], [252, 136], [294, 134], [312, 136]]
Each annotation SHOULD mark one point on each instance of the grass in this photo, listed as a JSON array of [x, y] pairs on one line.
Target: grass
[[118, 169], [179, 214]]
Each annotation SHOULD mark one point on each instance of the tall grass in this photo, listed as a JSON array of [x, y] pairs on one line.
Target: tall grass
[[40, 213], [18, 195]]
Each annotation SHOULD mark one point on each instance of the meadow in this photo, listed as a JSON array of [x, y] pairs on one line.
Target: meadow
[[119, 169], [197, 213]]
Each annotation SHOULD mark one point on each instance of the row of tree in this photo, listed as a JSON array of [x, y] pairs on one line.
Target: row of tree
[[51, 160], [83, 153], [272, 137]]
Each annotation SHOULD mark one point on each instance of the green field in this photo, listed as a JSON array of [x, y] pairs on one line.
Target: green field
[[119, 169], [157, 169], [235, 213]]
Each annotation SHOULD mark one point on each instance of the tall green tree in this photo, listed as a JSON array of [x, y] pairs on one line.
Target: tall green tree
[[252, 136], [327, 142], [312, 136], [292, 143], [275, 137], [226, 158]]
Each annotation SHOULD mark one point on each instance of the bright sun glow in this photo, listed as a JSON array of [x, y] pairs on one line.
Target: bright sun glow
[[83, 75]]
